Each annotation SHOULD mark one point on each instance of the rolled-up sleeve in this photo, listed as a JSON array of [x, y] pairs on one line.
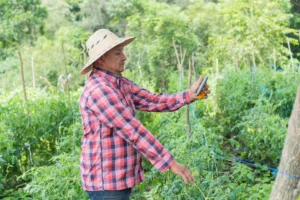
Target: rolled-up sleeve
[[111, 111]]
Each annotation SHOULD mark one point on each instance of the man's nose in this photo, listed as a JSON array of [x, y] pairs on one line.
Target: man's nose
[[124, 57]]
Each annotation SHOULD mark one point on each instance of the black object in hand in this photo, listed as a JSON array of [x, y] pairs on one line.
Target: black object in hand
[[201, 86]]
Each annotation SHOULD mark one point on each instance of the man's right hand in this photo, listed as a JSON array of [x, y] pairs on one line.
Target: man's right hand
[[182, 171]]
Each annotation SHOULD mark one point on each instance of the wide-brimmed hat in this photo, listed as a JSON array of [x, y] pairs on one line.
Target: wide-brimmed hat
[[99, 43]]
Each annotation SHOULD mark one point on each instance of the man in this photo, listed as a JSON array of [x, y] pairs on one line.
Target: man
[[114, 139]]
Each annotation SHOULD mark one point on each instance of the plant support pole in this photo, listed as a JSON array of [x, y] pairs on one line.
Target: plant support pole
[[22, 76], [84, 58], [33, 76], [187, 107], [274, 58], [65, 64], [291, 54]]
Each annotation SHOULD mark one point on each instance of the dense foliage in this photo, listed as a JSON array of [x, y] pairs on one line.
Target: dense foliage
[[42, 140], [249, 50]]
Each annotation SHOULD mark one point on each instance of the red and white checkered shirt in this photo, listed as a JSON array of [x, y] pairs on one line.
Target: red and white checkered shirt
[[114, 138]]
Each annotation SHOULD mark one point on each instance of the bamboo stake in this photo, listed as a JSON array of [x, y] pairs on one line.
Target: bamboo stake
[[187, 107], [270, 60], [65, 63], [291, 54], [178, 63], [176, 53], [253, 58], [84, 58], [22, 76], [193, 66], [140, 70], [274, 58], [217, 67], [180, 59], [237, 66], [33, 76]]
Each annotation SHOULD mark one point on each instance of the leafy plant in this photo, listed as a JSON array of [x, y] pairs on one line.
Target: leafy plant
[[45, 184]]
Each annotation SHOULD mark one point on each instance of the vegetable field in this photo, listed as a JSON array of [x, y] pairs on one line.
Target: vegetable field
[[231, 142]]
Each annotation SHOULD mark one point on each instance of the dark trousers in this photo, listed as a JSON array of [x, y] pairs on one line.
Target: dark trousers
[[109, 194]]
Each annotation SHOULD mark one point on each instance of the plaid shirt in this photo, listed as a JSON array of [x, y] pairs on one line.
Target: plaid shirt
[[114, 138]]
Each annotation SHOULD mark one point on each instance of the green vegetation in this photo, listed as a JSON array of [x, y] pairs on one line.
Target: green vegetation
[[249, 50]]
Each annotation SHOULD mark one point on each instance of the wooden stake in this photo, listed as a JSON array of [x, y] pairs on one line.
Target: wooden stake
[[237, 66], [270, 60], [274, 58], [140, 70], [84, 58], [22, 76], [65, 63], [253, 59], [291, 54], [193, 66], [180, 59], [187, 107], [217, 67], [33, 76]]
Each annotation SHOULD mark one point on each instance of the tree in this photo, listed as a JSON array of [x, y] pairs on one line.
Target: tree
[[295, 23], [287, 183], [20, 21], [95, 14], [154, 51], [58, 14], [250, 33]]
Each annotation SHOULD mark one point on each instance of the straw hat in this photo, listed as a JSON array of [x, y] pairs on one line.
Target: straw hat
[[99, 43]]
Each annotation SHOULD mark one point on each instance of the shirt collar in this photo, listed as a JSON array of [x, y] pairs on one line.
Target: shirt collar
[[111, 77]]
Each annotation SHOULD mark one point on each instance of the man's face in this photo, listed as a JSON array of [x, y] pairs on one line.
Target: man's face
[[113, 61]]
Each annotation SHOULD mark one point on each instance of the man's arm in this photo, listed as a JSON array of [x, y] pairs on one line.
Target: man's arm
[[145, 100]]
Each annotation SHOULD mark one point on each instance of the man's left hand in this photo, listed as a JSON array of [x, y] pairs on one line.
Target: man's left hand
[[194, 88]]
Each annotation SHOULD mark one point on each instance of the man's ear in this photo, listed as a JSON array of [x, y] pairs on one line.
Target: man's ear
[[100, 60]]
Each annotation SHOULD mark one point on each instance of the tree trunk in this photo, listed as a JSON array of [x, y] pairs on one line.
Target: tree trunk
[[287, 183]]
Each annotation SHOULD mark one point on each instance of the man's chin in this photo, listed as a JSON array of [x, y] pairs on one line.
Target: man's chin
[[121, 69]]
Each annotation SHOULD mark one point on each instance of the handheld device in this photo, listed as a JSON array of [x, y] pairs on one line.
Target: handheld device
[[201, 86]]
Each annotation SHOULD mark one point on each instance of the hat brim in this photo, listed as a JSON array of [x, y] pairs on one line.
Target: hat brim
[[89, 65]]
